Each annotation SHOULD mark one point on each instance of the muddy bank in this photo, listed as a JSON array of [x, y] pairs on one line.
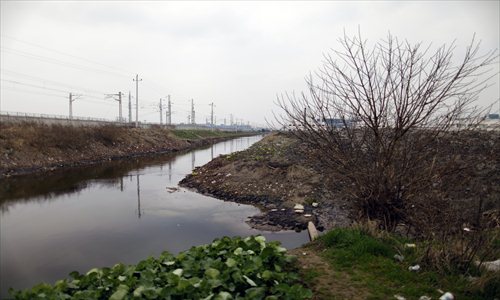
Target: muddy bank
[[277, 176], [35, 148]]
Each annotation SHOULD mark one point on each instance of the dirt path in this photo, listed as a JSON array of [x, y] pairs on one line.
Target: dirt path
[[325, 282]]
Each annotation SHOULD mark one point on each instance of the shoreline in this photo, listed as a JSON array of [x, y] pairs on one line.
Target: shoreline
[[51, 158], [275, 187]]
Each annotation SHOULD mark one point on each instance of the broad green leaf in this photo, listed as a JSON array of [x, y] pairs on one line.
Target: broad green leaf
[[138, 291], [238, 251], [255, 293], [209, 297], [266, 275], [230, 262], [249, 281], [212, 273], [223, 296], [120, 293], [178, 272], [94, 270]]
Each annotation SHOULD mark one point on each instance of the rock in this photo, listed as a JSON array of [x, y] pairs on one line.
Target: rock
[[274, 209], [447, 296], [399, 258], [314, 204], [307, 215], [410, 245], [299, 211], [424, 298], [313, 233], [298, 206], [228, 174], [414, 268], [399, 297]]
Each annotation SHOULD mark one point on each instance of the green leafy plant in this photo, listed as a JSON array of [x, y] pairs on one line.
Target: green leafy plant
[[228, 268]]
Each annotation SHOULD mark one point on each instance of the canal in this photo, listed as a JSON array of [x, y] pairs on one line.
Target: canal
[[122, 211]]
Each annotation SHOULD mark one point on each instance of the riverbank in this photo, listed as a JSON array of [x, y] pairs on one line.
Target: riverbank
[[29, 148], [356, 258], [277, 175]]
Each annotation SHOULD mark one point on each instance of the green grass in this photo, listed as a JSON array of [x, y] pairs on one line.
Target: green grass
[[194, 134], [370, 262]]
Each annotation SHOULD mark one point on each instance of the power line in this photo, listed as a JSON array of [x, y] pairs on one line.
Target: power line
[[33, 85], [57, 62], [31, 92], [67, 54], [43, 80]]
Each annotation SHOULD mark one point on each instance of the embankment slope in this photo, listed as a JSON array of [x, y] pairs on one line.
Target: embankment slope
[[29, 147]]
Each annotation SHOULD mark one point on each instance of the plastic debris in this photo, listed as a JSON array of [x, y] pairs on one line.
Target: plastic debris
[[493, 266], [399, 258], [414, 268], [298, 207], [447, 296], [410, 245]]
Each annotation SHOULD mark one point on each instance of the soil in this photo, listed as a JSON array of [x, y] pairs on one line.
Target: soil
[[275, 175], [279, 172], [322, 279], [29, 148]]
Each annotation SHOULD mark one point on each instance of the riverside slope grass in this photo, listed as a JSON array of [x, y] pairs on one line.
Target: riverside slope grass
[[365, 265], [228, 268]]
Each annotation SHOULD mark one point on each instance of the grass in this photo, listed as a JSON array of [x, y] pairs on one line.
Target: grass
[[367, 262]]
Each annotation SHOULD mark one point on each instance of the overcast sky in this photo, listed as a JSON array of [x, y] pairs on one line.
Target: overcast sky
[[239, 55]]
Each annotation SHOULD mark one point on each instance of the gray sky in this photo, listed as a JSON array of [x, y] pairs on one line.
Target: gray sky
[[239, 55]]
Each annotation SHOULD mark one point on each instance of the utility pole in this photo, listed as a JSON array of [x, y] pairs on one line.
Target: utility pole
[[71, 106], [120, 103], [192, 112], [161, 112], [129, 107], [212, 114], [137, 99], [72, 98], [169, 112], [120, 118]]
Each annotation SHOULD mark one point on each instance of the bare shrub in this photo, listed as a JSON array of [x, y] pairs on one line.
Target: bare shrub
[[390, 123]]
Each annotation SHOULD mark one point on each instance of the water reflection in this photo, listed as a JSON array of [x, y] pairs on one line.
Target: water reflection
[[116, 212]]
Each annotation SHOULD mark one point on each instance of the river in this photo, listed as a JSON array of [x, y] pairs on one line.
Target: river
[[123, 211]]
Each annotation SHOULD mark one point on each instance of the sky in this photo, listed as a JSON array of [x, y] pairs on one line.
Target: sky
[[238, 55]]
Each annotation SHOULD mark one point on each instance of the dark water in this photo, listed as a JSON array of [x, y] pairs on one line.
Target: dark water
[[116, 212]]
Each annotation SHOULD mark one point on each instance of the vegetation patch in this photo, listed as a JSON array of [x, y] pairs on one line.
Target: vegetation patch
[[228, 268], [364, 265]]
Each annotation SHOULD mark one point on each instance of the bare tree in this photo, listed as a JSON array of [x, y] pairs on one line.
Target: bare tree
[[380, 119]]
